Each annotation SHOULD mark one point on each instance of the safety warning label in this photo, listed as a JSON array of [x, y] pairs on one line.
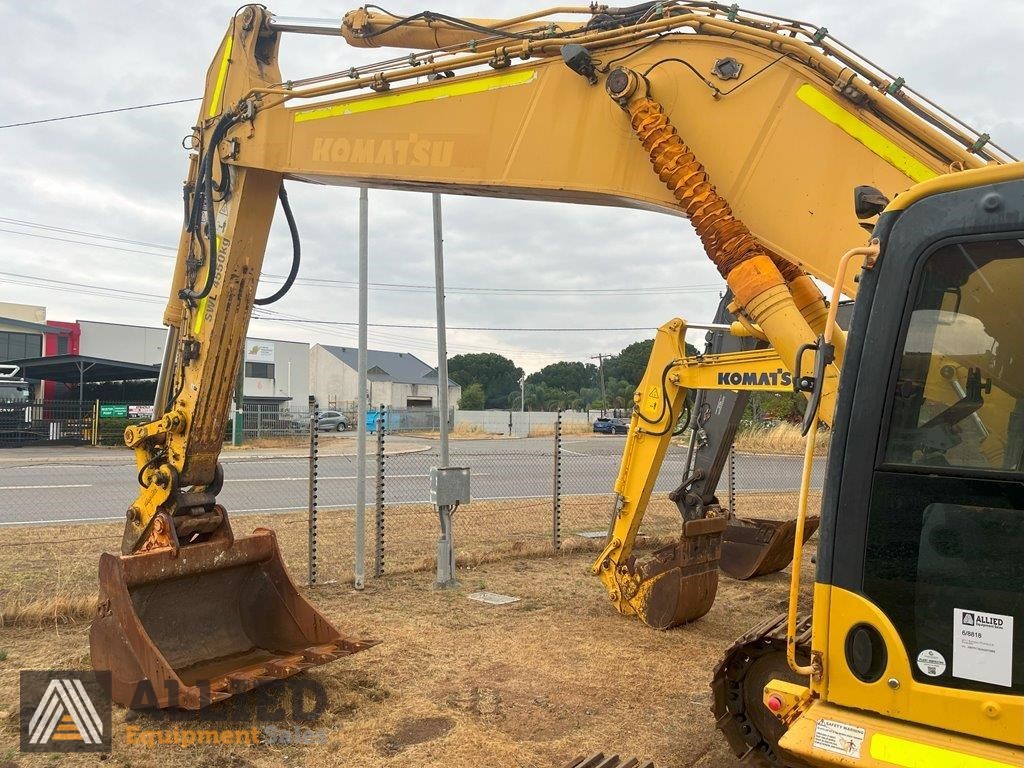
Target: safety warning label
[[983, 646], [840, 738]]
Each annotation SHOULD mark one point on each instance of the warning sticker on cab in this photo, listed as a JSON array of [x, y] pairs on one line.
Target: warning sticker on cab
[[983, 647], [840, 738]]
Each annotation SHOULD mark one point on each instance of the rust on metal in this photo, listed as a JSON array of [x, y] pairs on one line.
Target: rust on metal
[[191, 626], [753, 547], [678, 583], [754, 660], [598, 760]]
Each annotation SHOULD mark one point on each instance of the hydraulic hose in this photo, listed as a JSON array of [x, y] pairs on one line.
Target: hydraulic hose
[[726, 239], [204, 191], [296, 252]]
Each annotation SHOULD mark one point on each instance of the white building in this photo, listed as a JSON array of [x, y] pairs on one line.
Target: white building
[[395, 379], [275, 371]]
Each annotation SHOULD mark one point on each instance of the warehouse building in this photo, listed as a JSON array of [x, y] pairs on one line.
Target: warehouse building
[[395, 379], [276, 372]]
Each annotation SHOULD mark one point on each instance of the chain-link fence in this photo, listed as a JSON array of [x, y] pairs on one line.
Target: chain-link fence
[[60, 506]]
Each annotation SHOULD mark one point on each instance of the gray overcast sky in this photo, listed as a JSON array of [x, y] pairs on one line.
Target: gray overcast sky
[[121, 175]]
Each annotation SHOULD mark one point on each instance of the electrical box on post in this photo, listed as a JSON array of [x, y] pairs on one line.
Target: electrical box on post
[[449, 486]]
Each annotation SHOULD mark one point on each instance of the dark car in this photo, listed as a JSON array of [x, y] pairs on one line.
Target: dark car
[[609, 426], [332, 420]]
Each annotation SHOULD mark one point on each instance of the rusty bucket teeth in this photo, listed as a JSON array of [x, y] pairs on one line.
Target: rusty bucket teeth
[[678, 584], [217, 619], [753, 547]]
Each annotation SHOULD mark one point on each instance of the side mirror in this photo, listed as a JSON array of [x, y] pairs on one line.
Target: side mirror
[[868, 201]]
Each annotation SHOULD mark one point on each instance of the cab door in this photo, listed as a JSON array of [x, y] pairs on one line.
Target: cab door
[[922, 560]]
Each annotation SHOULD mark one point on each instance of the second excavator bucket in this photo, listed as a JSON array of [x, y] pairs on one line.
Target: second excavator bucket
[[754, 546], [678, 583], [191, 626]]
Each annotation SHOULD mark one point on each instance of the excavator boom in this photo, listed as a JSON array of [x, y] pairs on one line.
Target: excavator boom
[[756, 129]]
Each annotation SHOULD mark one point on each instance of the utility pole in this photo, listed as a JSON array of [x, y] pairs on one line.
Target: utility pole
[[360, 543], [600, 367], [446, 544]]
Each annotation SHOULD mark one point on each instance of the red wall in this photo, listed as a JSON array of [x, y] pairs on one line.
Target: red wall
[[53, 390]]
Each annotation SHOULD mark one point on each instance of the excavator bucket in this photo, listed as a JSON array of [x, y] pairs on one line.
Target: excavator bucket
[[192, 626], [678, 583], [753, 546]]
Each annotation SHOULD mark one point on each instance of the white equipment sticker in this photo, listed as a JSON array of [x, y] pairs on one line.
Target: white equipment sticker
[[931, 662], [983, 646], [840, 738]]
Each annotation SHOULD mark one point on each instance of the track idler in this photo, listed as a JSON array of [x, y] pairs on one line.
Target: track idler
[[753, 547], [675, 584], [754, 660]]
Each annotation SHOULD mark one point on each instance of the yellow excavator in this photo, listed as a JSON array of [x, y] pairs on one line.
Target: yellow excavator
[[761, 130]]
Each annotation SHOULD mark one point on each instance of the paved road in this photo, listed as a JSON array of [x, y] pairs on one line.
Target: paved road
[[62, 485]]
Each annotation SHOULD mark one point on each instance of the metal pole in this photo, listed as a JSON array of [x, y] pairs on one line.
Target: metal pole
[[378, 562], [442, 337], [238, 422], [360, 564], [556, 490], [446, 543], [314, 434]]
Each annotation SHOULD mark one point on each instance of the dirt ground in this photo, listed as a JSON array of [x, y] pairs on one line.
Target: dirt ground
[[460, 683], [453, 682]]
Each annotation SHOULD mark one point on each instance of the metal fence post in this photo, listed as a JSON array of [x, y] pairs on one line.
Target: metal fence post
[[732, 480], [96, 423], [556, 491], [378, 518], [314, 434]]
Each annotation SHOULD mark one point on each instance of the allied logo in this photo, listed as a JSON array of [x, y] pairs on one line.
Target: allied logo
[[65, 711], [968, 619]]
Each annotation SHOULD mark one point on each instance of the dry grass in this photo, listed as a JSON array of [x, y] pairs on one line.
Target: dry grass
[[458, 683], [571, 428], [454, 683], [289, 441], [785, 438]]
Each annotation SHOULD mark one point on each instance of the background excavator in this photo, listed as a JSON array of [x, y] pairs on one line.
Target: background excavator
[[758, 129]]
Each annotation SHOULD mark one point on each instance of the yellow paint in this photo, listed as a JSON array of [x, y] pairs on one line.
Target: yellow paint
[[418, 95], [197, 326], [222, 77], [976, 177], [910, 754], [200, 314], [864, 133], [927, 703]]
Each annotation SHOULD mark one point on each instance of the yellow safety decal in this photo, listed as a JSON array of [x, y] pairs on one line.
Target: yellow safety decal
[[864, 133], [222, 76], [910, 754], [197, 326], [415, 96]]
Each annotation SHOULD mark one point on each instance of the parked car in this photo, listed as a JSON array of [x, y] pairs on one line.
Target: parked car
[[609, 426], [332, 420]]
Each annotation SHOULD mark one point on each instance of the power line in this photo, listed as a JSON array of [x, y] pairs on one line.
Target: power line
[[476, 327], [392, 287], [99, 112], [64, 286]]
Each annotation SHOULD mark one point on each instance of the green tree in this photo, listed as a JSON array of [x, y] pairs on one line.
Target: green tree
[[472, 398], [496, 374], [569, 376], [631, 362]]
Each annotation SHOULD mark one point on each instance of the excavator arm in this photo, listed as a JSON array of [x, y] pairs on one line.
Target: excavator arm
[[757, 129], [678, 583], [782, 123]]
